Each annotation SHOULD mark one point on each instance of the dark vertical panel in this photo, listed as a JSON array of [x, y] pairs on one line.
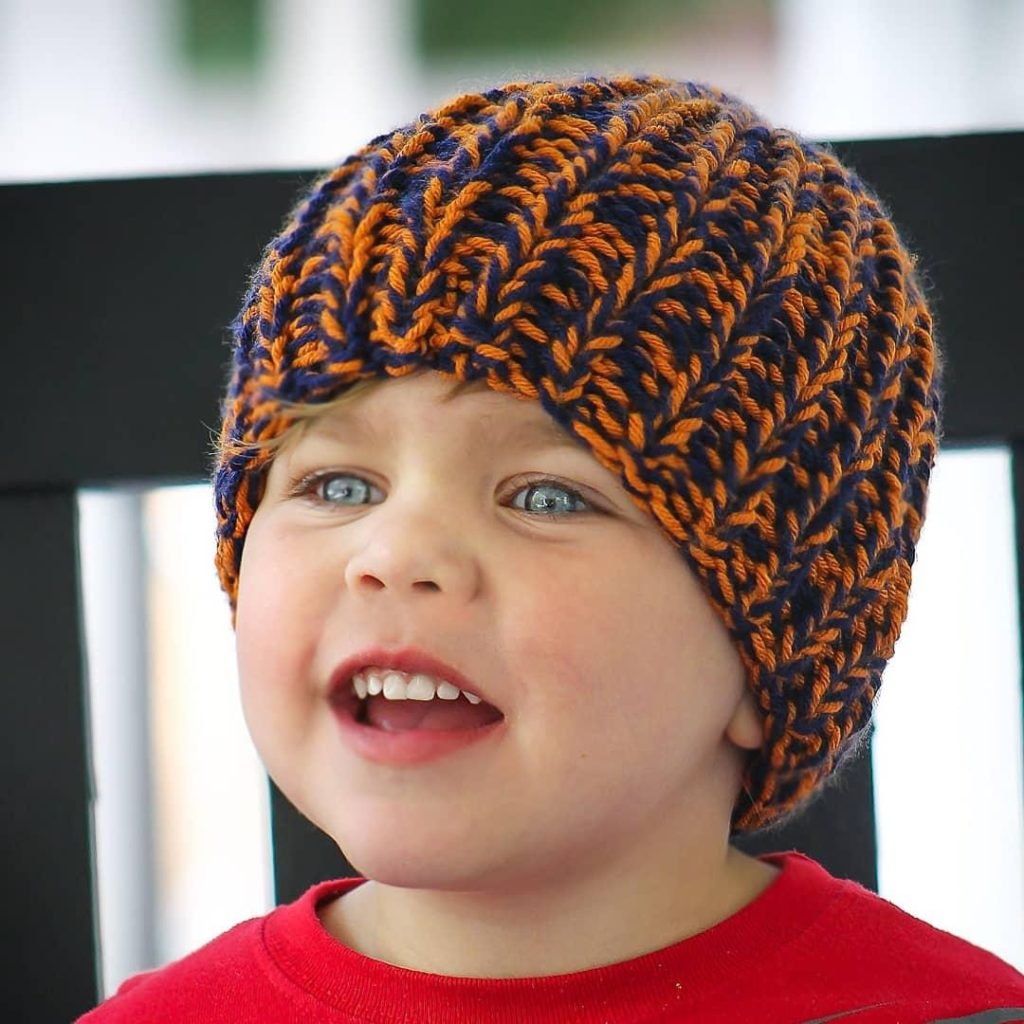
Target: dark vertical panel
[[1017, 493], [49, 968], [303, 855], [150, 343], [949, 198], [837, 828]]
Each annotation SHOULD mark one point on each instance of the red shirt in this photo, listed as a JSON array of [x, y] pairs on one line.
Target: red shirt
[[809, 948]]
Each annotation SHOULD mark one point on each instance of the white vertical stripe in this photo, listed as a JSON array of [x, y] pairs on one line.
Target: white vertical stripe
[[212, 797], [947, 750], [110, 552]]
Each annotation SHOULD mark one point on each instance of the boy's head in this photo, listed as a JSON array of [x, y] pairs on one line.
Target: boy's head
[[722, 320]]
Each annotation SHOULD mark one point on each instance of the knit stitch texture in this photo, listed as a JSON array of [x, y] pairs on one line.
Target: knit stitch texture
[[717, 309]]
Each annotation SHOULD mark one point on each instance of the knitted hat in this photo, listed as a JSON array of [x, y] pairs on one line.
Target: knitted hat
[[717, 309]]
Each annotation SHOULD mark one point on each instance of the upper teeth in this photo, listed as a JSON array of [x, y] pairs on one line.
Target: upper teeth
[[395, 685]]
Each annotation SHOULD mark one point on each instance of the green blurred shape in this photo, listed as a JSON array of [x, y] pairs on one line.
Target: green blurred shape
[[459, 28], [222, 35]]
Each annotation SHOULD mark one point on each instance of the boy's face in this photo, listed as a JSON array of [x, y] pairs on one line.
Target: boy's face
[[623, 697]]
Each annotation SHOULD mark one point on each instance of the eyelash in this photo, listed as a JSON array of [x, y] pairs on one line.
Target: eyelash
[[307, 486]]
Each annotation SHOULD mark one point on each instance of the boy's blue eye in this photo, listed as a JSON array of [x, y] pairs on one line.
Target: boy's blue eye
[[544, 494], [337, 488], [548, 492]]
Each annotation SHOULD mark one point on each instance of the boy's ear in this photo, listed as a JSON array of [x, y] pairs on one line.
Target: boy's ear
[[745, 726]]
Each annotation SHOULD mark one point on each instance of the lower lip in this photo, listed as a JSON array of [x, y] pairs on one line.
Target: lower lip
[[409, 746]]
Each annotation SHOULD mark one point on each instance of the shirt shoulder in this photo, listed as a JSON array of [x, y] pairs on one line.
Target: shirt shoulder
[[222, 974], [235, 976], [863, 941]]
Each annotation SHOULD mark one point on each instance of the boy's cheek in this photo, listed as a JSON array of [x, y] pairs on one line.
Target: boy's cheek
[[274, 572], [277, 687], [270, 610]]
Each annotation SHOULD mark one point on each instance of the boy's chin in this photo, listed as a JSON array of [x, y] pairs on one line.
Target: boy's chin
[[421, 870], [459, 867]]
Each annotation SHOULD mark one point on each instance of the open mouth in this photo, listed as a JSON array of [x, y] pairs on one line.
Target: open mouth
[[404, 732], [402, 714]]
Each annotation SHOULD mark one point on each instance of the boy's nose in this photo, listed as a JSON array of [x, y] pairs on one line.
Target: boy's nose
[[407, 561]]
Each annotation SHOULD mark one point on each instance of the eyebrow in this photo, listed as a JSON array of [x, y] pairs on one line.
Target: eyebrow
[[546, 432]]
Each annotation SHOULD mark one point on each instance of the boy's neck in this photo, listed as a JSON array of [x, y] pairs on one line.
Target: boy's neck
[[557, 929]]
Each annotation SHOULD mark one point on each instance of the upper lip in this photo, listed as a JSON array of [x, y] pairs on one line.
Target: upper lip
[[406, 659]]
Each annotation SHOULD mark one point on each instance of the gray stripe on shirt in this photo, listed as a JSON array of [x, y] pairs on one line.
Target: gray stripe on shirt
[[997, 1015]]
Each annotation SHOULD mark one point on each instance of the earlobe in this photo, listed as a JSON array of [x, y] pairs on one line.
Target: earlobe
[[745, 726]]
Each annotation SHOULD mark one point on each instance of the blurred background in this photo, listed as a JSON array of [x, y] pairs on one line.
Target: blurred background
[[102, 88], [124, 88]]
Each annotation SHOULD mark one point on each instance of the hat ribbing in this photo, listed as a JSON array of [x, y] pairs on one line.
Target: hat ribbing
[[717, 309]]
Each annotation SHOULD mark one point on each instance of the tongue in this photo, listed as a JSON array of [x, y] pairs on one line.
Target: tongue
[[436, 715]]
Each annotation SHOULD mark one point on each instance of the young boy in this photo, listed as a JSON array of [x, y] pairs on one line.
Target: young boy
[[573, 462]]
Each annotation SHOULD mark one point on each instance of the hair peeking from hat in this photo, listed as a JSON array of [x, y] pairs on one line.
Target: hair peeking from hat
[[718, 310]]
